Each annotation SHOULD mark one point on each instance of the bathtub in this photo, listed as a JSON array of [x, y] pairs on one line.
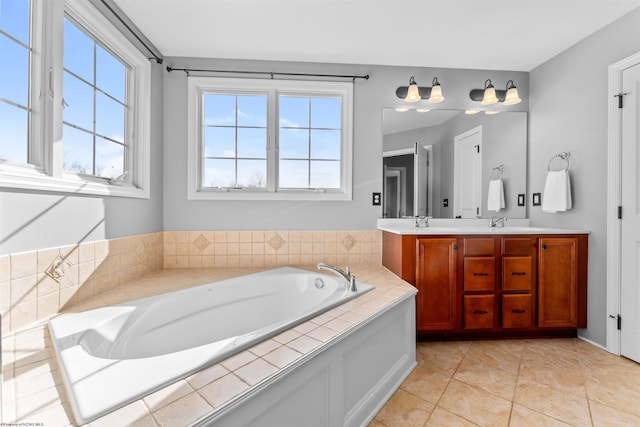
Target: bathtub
[[114, 355]]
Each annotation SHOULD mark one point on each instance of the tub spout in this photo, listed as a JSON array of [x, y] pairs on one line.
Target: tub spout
[[348, 278]]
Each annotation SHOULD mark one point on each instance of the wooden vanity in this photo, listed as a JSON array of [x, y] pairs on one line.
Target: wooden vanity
[[492, 285]]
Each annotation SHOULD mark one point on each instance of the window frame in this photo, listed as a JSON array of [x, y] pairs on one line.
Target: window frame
[[198, 86], [44, 171]]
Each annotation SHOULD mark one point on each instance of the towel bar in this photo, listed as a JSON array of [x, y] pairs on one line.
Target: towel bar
[[499, 172], [564, 156]]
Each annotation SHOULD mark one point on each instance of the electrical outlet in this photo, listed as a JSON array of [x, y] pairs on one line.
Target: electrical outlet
[[521, 199], [445, 203], [537, 199], [377, 199]]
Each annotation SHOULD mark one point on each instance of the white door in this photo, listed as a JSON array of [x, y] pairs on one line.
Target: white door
[[467, 191], [630, 243]]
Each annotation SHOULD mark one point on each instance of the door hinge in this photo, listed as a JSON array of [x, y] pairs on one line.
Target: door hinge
[[619, 96], [619, 212], [618, 320]]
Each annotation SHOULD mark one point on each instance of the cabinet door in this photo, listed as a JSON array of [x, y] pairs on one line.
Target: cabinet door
[[558, 282], [436, 282]]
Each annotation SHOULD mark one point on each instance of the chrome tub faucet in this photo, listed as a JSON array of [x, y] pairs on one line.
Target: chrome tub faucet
[[348, 278]]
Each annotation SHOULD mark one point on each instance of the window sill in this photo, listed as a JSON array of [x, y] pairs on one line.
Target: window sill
[[11, 177], [285, 195]]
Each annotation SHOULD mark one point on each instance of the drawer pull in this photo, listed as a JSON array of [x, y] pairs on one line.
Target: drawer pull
[[518, 273], [518, 310], [480, 312], [480, 274]]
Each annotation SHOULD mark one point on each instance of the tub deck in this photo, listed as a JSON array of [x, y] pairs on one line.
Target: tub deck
[[32, 387]]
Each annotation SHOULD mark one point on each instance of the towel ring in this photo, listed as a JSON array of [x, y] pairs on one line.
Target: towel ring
[[497, 172], [564, 156]]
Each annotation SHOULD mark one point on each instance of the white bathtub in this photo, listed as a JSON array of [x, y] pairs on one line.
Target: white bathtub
[[114, 355]]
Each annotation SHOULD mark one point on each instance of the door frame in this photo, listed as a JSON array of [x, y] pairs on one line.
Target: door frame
[[614, 199]]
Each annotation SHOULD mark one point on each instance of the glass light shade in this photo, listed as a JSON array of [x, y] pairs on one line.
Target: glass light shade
[[413, 94], [512, 97], [489, 97], [469, 112], [402, 109], [436, 95], [491, 112], [422, 110]]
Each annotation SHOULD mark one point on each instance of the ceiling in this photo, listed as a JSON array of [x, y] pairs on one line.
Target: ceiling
[[515, 35]]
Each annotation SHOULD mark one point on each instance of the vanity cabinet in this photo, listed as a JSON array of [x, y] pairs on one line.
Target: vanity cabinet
[[500, 285]]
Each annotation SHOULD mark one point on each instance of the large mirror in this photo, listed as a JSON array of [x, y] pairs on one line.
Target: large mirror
[[449, 164]]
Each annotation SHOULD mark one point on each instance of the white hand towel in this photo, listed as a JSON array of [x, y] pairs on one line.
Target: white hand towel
[[495, 196], [557, 192]]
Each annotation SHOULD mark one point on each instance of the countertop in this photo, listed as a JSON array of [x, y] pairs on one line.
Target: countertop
[[405, 226]]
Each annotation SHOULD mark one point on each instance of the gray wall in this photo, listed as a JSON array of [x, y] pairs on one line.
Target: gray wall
[[31, 220], [370, 96], [568, 112]]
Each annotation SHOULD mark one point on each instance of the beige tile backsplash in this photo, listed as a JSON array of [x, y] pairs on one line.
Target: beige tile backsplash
[[28, 293]]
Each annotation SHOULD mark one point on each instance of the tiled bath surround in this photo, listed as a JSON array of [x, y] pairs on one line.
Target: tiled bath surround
[[30, 289], [195, 249]]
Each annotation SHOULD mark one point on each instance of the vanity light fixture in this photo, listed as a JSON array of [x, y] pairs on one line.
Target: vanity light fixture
[[414, 93], [511, 98], [490, 95]]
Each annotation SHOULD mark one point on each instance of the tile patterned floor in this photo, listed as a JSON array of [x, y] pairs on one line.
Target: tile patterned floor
[[542, 382]]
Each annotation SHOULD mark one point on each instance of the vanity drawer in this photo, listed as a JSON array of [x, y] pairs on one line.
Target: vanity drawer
[[479, 246], [478, 311], [517, 311], [517, 273], [479, 273], [518, 246]]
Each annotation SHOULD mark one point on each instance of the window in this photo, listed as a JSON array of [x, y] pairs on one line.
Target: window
[[88, 107], [15, 56], [269, 139]]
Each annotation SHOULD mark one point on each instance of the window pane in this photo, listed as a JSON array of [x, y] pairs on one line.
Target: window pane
[[325, 174], [78, 151], [110, 74], [252, 111], [326, 113], [219, 173], [79, 102], [219, 142], [109, 158], [325, 144], [294, 143], [13, 133], [109, 117], [78, 51], [220, 110], [252, 143], [294, 111], [252, 173], [14, 71], [14, 19], [294, 174]]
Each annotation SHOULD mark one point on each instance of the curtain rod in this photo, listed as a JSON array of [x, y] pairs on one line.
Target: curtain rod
[[269, 73], [157, 58]]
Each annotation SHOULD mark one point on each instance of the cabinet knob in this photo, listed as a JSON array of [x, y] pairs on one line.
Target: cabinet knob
[[480, 312]]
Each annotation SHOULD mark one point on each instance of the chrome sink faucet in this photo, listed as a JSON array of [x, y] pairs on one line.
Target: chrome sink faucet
[[349, 279], [493, 222], [421, 220]]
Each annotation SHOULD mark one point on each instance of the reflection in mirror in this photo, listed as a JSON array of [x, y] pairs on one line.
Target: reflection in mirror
[[453, 176]]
